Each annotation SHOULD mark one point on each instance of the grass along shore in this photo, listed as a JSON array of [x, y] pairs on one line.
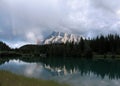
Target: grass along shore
[[9, 79]]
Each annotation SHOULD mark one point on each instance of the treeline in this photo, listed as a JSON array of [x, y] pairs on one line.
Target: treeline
[[4, 47], [72, 49], [86, 48], [6, 51], [109, 44]]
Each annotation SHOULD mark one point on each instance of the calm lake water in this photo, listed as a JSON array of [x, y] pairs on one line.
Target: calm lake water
[[74, 72]]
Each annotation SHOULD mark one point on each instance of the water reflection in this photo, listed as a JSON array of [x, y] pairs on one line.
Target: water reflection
[[102, 68], [77, 72], [28, 69]]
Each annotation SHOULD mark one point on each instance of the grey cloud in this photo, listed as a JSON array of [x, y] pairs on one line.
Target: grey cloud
[[29, 20]]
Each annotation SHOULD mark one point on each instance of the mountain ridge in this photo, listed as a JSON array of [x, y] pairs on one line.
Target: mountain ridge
[[61, 37]]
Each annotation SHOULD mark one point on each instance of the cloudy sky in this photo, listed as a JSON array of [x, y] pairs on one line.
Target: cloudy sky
[[26, 21]]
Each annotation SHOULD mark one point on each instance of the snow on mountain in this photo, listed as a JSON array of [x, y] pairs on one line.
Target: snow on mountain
[[60, 37]]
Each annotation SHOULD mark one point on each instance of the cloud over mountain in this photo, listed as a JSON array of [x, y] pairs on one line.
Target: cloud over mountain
[[29, 20]]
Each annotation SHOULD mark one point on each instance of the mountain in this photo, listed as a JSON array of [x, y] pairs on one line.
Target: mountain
[[60, 37]]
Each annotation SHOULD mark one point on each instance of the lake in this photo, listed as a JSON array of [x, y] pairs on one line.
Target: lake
[[76, 72]]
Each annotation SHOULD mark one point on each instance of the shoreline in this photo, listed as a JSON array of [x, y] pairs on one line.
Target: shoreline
[[10, 79]]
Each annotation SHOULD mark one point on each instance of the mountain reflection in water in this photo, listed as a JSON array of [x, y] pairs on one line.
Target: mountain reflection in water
[[76, 72]]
